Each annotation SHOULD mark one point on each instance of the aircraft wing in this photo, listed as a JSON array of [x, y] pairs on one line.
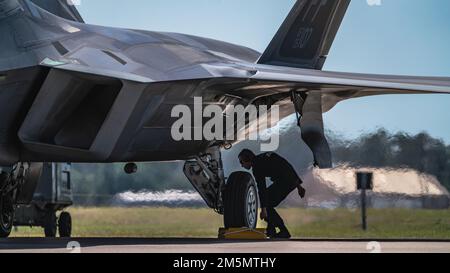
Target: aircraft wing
[[338, 86], [322, 90], [298, 52]]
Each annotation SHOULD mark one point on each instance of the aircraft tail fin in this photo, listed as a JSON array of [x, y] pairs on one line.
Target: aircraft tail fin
[[306, 36], [63, 8]]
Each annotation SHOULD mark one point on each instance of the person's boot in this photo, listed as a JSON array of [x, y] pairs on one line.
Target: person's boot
[[271, 231]]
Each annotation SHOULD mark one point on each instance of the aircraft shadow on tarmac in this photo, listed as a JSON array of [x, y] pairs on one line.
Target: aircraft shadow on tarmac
[[58, 243], [52, 243]]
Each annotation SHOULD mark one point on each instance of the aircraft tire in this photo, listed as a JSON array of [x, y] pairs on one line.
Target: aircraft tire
[[6, 216], [240, 201], [65, 225], [50, 225]]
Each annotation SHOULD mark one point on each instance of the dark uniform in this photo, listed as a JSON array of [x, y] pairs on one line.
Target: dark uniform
[[284, 179]]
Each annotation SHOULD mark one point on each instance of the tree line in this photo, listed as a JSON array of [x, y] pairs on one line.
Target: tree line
[[380, 149]]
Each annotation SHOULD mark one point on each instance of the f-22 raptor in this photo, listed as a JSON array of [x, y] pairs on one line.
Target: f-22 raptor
[[75, 92]]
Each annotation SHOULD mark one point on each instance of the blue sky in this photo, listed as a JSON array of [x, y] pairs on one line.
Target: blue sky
[[407, 37]]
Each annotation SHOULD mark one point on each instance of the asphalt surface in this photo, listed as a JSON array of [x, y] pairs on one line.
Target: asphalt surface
[[172, 245]]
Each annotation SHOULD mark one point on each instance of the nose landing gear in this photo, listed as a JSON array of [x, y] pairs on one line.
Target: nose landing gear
[[236, 200]]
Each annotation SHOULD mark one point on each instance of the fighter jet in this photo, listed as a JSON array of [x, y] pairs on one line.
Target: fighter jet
[[74, 92]]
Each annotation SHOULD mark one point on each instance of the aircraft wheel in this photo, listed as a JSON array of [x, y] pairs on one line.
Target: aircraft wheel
[[6, 215], [240, 201], [50, 225], [65, 225]]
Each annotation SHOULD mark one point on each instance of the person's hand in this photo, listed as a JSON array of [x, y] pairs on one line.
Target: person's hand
[[263, 214], [301, 192]]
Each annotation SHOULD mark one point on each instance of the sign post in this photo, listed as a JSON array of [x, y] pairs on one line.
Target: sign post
[[364, 182]]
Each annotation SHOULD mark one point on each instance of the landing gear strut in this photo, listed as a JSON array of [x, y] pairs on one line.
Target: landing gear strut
[[237, 199], [10, 183]]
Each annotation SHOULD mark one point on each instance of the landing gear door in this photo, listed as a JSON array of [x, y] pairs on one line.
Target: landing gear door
[[313, 133], [27, 190], [63, 183], [201, 183]]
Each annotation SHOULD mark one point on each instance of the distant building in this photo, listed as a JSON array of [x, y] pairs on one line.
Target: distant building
[[393, 188]]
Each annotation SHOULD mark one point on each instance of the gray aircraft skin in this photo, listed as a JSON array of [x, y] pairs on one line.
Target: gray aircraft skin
[[74, 92]]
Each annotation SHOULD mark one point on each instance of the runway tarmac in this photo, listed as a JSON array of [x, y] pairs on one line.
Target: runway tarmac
[[139, 245]]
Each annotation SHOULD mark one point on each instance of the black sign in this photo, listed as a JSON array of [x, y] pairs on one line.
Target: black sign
[[364, 181]]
